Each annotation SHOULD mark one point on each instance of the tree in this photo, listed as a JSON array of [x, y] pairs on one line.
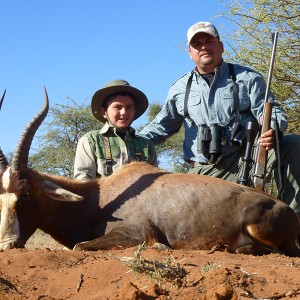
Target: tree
[[57, 146], [251, 44]]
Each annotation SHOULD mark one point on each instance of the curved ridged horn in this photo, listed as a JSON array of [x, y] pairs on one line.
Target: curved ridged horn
[[3, 160], [20, 158], [2, 98]]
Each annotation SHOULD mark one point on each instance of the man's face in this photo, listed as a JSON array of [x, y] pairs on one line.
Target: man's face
[[206, 52], [120, 111]]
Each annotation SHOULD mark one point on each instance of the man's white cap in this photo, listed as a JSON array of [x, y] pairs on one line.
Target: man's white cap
[[206, 27]]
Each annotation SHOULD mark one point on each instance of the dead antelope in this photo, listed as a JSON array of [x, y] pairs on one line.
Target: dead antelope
[[139, 203]]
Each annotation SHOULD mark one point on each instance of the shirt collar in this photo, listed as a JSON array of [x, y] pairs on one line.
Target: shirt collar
[[109, 128], [221, 69]]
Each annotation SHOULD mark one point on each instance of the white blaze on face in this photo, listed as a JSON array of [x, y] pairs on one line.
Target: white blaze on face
[[9, 225]]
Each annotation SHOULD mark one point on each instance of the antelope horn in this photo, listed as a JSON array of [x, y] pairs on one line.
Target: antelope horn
[[20, 158], [2, 98], [3, 160]]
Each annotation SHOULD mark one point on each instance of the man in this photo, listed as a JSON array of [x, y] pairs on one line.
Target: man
[[210, 105], [101, 152]]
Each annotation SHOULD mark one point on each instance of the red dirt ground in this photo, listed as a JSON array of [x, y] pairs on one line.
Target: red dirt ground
[[177, 274]]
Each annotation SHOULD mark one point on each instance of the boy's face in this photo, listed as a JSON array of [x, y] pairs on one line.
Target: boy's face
[[120, 111]]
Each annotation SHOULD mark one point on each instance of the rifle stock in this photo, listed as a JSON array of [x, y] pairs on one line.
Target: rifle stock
[[261, 152]]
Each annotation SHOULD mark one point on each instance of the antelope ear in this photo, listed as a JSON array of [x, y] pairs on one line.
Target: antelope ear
[[56, 192]]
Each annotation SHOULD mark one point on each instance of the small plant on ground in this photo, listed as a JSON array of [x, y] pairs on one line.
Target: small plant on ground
[[168, 271], [210, 266]]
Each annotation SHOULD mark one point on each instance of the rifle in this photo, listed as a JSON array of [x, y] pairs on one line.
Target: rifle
[[261, 152]]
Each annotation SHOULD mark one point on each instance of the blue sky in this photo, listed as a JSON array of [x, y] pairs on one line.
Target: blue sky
[[74, 48]]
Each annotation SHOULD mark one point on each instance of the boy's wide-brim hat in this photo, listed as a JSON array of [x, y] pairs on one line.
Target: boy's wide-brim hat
[[118, 86]]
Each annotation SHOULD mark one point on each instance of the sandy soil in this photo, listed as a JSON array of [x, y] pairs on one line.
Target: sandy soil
[[137, 273]]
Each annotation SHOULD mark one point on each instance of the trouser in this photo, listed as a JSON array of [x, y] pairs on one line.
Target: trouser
[[230, 168]]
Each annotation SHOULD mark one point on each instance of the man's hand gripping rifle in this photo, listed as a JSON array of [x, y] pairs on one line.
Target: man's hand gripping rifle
[[258, 165]]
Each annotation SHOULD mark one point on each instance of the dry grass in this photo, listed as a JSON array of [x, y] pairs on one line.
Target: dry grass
[[162, 273]]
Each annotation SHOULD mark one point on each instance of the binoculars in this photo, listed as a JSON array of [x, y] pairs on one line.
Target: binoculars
[[209, 140]]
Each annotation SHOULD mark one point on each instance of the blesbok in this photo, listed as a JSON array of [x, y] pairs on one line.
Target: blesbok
[[139, 203]]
